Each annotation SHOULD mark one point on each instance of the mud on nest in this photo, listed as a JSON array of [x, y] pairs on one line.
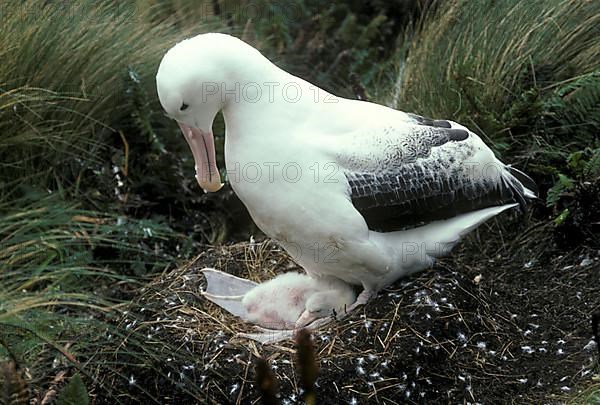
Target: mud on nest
[[481, 326]]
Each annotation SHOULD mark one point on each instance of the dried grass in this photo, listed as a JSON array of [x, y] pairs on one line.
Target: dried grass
[[448, 333]]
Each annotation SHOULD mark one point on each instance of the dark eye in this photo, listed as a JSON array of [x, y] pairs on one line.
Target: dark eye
[[183, 107]]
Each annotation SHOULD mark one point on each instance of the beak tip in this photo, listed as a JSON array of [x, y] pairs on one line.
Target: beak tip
[[304, 320], [211, 187]]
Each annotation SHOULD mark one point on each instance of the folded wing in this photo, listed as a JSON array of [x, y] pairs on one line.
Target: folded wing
[[422, 170]]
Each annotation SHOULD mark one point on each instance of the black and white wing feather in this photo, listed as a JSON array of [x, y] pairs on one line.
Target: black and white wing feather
[[422, 170]]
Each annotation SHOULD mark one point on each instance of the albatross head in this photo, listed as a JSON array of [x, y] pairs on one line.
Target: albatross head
[[189, 81], [326, 304]]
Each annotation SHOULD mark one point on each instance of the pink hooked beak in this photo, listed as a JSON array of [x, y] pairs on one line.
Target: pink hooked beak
[[305, 319], [202, 145]]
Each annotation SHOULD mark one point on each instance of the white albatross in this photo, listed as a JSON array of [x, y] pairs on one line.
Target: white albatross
[[351, 189], [278, 306]]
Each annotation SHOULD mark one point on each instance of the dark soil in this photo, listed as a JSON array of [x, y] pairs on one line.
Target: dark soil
[[501, 321]]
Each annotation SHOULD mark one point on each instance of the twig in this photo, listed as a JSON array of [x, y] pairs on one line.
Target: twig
[[307, 364], [265, 382]]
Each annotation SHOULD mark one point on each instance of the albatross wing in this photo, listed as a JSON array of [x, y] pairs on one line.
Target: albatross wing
[[423, 170]]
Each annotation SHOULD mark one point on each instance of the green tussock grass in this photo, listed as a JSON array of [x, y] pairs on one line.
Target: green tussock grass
[[77, 108], [67, 66], [589, 396], [500, 67], [66, 275]]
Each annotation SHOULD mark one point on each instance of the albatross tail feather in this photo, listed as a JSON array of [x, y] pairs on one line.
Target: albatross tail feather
[[529, 186], [439, 237]]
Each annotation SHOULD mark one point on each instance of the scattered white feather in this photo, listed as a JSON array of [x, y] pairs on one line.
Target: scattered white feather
[[527, 349], [591, 345]]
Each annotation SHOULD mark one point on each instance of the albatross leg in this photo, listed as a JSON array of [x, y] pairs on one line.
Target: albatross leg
[[366, 295], [311, 323], [268, 336]]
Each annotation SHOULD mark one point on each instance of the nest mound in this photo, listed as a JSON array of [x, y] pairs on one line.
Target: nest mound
[[481, 326]]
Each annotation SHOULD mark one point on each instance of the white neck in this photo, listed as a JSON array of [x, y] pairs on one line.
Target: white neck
[[274, 93], [260, 98]]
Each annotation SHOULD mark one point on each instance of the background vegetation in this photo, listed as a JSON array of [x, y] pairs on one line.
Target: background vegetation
[[96, 195]]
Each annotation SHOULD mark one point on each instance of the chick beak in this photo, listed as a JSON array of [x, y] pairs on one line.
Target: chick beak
[[305, 319]]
